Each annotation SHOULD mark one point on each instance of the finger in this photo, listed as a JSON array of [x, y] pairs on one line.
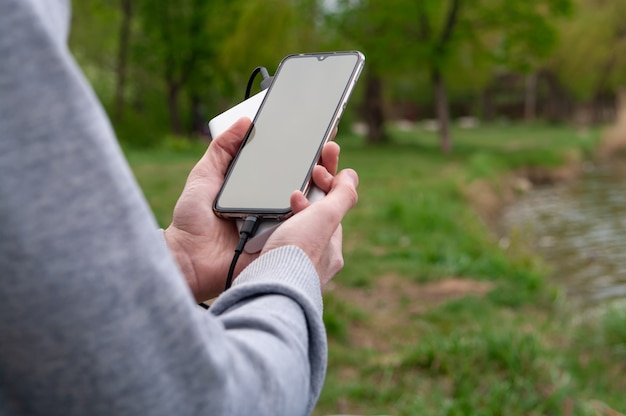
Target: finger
[[298, 202], [342, 197], [330, 157], [225, 146], [230, 140], [322, 178]]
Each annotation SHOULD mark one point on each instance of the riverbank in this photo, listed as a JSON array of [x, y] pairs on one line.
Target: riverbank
[[489, 196], [432, 314], [578, 227]]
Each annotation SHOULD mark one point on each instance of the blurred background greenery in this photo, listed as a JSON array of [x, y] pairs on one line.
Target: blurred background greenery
[[463, 107], [165, 66]]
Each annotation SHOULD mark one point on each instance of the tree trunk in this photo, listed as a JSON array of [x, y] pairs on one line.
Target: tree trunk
[[373, 109], [198, 123], [173, 91], [442, 110], [620, 105], [558, 105], [122, 58], [487, 111], [530, 97]]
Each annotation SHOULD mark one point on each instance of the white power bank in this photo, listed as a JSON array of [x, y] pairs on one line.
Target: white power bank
[[247, 108]]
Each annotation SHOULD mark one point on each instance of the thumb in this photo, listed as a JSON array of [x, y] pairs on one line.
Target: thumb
[[321, 219], [223, 148], [342, 196]]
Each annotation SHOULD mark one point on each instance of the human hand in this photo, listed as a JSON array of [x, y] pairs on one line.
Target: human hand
[[316, 228], [202, 243]]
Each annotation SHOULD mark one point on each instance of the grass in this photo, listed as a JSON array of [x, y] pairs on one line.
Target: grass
[[403, 338]]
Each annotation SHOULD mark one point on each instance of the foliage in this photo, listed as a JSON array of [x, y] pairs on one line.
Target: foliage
[[591, 57], [189, 60], [451, 42]]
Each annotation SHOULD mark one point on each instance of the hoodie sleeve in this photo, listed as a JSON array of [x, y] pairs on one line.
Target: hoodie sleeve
[[95, 316]]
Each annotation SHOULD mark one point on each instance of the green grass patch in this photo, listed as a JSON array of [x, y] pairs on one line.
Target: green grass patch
[[510, 351]]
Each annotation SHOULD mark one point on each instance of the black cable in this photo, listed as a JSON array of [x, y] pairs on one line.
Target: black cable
[[249, 227], [265, 83]]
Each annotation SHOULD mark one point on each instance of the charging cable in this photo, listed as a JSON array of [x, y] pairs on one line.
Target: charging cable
[[249, 227], [265, 82]]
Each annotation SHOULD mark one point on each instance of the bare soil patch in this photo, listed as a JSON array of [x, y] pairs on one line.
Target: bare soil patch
[[392, 302], [613, 142]]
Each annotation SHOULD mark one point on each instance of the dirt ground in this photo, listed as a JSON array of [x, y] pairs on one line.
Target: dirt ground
[[393, 300]]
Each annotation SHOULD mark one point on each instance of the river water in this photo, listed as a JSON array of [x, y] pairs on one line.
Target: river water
[[580, 229]]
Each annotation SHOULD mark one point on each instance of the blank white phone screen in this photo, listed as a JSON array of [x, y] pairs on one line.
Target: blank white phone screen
[[293, 123]]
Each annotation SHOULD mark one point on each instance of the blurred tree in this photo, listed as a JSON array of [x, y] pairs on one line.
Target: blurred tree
[[528, 37], [437, 44], [192, 54], [438, 37], [268, 30], [103, 38], [94, 43], [372, 27], [121, 68], [178, 39], [591, 57]]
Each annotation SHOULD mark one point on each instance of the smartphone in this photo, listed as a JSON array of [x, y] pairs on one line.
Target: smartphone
[[218, 125], [296, 118]]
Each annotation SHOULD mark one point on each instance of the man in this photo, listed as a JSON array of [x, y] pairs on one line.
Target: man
[[98, 308]]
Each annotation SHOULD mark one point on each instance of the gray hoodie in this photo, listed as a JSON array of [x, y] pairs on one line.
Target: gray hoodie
[[95, 318]]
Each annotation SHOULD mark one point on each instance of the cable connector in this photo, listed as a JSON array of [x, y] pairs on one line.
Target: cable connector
[[265, 83], [248, 229]]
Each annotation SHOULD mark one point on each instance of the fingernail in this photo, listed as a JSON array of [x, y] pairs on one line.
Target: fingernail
[[353, 176]]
